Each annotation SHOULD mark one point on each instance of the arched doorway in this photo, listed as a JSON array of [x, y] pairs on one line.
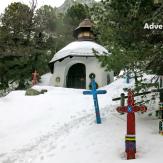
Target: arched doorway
[[76, 76]]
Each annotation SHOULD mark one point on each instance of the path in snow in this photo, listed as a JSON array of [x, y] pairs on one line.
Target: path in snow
[[94, 141], [48, 142]]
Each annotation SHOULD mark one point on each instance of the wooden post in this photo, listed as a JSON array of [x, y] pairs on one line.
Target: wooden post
[[161, 81], [122, 102], [127, 78], [161, 113]]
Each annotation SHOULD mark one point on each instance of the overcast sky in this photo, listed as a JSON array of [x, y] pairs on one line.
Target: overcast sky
[[4, 3]]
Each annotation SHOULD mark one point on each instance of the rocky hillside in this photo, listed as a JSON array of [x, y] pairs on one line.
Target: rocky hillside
[[68, 3]]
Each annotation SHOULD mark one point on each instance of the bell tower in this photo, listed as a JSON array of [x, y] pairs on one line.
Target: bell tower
[[83, 32]]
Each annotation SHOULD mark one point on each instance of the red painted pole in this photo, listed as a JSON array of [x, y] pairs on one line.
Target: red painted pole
[[130, 139], [131, 123], [35, 77]]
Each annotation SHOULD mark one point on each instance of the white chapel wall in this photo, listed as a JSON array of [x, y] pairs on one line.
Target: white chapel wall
[[92, 66]]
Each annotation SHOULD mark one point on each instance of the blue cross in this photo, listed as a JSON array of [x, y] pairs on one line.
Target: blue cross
[[94, 92], [127, 78]]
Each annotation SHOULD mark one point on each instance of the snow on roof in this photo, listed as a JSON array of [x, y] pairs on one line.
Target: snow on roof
[[79, 48]]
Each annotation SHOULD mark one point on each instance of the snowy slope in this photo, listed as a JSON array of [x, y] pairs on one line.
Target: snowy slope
[[59, 126], [45, 79]]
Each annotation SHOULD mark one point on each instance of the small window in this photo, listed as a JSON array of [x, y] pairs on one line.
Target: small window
[[57, 79]]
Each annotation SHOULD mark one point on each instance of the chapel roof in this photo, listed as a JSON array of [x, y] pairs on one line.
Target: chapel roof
[[85, 23], [79, 48]]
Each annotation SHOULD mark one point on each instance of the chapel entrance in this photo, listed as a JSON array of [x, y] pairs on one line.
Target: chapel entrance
[[76, 76]]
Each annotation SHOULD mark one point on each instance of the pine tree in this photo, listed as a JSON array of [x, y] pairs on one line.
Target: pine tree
[[23, 48], [121, 29]]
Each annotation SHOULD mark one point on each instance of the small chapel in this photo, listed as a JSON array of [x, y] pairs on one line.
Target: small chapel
[[71, 66]]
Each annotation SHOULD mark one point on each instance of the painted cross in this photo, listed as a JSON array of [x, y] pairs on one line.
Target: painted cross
[[130, 109], [127, 78], [35, 76], [94, 92]]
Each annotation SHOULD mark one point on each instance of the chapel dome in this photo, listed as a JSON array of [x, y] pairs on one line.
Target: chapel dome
[[79, 49]]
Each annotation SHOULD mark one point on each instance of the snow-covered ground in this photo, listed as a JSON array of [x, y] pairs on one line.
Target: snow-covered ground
[[59, 127]]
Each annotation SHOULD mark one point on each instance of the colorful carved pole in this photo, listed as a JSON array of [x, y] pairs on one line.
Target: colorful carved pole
[[130, 109], [161, 113], [35, 76], [94, 92]]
